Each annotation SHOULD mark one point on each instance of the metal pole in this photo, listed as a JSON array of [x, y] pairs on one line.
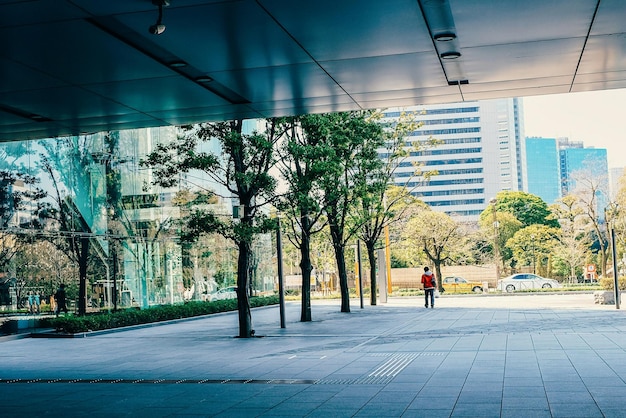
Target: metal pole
[[114, 253], [615, 280], [496, 236], [358, 256], [281, 287], [388, 260]]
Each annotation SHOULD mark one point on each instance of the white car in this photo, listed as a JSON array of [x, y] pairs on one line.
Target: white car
[[523, 281], [229, 292]]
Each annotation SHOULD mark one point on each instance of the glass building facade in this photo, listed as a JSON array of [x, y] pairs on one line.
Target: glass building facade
[[590, 163], [543, 174], [132, 225]]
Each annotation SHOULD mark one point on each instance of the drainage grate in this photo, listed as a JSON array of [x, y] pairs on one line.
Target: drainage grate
[[381, 375], [166, 381]]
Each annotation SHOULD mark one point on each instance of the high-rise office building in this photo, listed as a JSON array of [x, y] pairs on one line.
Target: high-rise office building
[[480, 153], [543, 177], [576, 162], [615, 175], [588, 164]]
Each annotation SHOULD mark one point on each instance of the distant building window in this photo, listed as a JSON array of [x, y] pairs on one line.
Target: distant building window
[[464, 212], [397, 114], [435, 132], [446, 151], [450, 192], [443, 162], [455, 202], [445, 172], [444, 182]]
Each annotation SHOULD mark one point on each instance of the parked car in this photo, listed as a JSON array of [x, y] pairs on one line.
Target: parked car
[[523, 281], [455, 284], [229, 292]]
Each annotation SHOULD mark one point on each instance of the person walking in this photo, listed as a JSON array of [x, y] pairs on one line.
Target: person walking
[[429, 284], [59, 298]]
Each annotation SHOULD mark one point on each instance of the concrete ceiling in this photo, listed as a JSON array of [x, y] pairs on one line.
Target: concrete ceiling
[[79, 66]]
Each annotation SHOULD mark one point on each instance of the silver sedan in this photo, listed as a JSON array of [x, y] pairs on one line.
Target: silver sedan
[[523, 281]]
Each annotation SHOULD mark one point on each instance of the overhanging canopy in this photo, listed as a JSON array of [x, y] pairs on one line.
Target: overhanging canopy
[[78, 66]]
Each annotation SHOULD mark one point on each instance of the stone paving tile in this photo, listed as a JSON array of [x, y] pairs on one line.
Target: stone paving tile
[[525, 413], [511, 357], [427, 413], [475, 410], [523, 391], [531, 402], [575, 410]]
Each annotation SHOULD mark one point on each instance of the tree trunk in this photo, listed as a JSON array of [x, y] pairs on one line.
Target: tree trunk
[[604, 258], [438, 275], [305, 266], [243, 301], [343, 279], [371, 256]]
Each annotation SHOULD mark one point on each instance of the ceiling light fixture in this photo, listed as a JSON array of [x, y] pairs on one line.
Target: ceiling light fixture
[[450, 55], [177, 64], [158, 28], [445, 37], [204, 79]]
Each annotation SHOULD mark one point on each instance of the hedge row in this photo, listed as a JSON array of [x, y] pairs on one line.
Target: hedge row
[[133, 316], [608, 283]]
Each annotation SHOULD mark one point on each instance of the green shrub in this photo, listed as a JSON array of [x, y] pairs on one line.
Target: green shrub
[[608, 283], [133, 316]]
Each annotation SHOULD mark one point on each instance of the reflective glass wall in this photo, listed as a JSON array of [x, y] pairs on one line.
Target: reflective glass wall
[[99, 185]]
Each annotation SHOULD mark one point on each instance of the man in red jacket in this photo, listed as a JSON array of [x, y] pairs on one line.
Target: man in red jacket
[[429, 284]]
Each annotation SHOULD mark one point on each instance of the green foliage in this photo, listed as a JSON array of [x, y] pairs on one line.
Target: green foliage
[[533, 245], [128, 317], [608, 283], [499, 227], [527, 208]]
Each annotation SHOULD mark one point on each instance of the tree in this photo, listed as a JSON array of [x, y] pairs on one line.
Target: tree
[[532, 246], [619, 221], [42, 265], [527, 208], [19, 193], [380, 203], [498, 231], [341, 136], [67, 161], [590, 186], [243, 170], [437, 234], [574, 244], [302, 164]]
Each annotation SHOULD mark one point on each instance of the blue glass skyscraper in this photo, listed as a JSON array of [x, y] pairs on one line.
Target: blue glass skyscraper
[[542, 161], [589, 163]]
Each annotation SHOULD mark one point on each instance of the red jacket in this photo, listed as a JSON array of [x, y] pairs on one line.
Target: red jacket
[[428, 280]]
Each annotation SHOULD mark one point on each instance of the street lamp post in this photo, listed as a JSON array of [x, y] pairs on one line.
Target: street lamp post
[[496, 248], [281, 285], [532, 243]]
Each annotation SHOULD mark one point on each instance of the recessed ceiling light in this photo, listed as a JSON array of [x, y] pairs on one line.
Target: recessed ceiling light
[[445, 37], [205, 79], [450, 55], [177, 64], [39, 118]]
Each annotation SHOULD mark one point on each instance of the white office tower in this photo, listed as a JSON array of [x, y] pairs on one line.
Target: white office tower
[[479, 153]]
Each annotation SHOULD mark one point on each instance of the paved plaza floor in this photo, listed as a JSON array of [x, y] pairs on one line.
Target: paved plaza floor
[[542, 355]]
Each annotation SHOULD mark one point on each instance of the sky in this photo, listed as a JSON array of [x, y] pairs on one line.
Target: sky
[[598, 119]]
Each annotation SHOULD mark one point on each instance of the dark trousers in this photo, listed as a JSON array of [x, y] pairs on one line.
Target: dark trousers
[[430, 292]]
